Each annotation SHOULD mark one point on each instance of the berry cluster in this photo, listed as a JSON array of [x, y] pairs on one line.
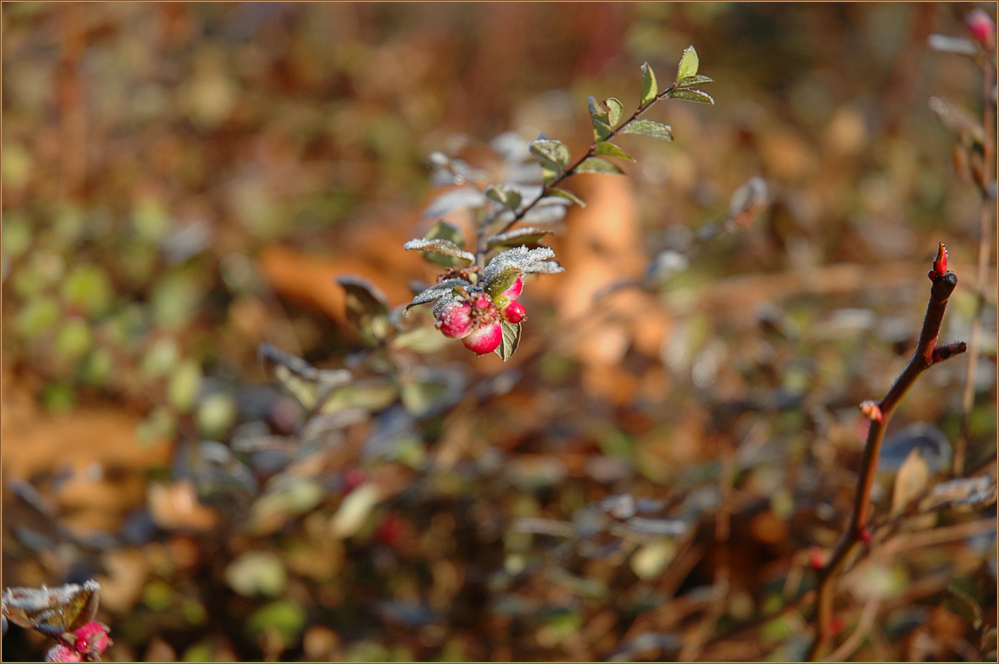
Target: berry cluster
[[475, 316]]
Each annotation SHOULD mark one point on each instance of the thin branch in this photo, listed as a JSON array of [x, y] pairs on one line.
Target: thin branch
[[857, 531], [986, 219]]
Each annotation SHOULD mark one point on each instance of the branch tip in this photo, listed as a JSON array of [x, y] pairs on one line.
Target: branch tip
[[872, 411]]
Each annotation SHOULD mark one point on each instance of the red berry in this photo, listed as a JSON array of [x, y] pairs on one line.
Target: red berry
[[514, 312], [485, 339], [455, 320]]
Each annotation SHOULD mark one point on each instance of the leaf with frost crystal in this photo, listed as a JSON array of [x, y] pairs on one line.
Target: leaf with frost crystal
[[649, 128], [444, 231], [509, 341], [443, 291], [597, 165], [526, 260], [649, 86], [440, 247], [688, 64]]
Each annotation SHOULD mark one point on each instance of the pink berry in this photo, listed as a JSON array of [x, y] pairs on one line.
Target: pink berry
[[981, 26], [482, 301], [515, 289], [485, 339], [455, 321], [514, 312], [92, 639]]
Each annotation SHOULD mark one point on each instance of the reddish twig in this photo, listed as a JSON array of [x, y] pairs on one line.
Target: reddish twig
[[858, 530]]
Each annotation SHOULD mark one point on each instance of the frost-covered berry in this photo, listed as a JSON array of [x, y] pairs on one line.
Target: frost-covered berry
[[514, 312], [61, 653], [455, 321], [484, 339]]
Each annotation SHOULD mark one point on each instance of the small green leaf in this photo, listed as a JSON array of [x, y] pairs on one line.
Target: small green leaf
[[649, 128], [610, 150], [691, 81], [688, 64], [511, 339], [599, 117], [649, 87], [548, 172], [598, 165], [503, 195], [692, 95], [552, 152], [614, 110], [567, 194]]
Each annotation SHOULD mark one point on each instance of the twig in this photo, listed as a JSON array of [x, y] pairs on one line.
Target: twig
[[483, 243], [926, 354], [986, 218]]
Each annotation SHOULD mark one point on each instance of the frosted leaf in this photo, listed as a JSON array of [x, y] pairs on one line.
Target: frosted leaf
[[503, 238], [442, 291], [524, 259], [439, 247]]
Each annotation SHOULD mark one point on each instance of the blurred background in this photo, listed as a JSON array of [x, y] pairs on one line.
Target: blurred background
[[183, 182]]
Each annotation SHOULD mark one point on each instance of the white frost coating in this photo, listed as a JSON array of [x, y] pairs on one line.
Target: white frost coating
[[440, 247], [440, 291], [525, 260]]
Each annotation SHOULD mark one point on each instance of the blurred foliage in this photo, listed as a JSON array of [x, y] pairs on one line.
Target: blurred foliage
[[423, 505]]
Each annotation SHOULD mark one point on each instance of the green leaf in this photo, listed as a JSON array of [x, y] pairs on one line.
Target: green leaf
[[511, 339], [692, 95], [551, 152], [567, 194], [649, 128], [598, 165], [610, 150], [599, 117], [691, 81], [519, 236], [649, 87], [614, 110], [367, 308], [688, 64], [503, 195]]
